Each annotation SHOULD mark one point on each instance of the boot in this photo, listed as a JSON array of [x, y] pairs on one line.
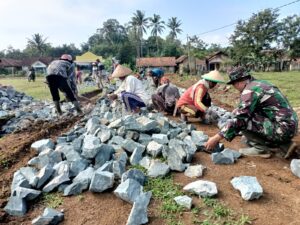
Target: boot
[[77, 106], [260, 151], [57, 107]]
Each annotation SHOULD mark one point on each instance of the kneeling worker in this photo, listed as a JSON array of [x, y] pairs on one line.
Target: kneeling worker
[[196, 99], [264, 116], [166, 96]]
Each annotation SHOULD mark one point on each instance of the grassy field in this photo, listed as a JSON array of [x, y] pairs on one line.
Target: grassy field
[[287, 82], [38, 89]]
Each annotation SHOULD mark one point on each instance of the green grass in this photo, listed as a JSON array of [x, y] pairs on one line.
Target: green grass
[[38, 89], [165, 190], [52, 200], [287, 82]]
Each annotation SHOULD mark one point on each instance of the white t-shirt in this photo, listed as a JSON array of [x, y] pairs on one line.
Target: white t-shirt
[[133, 85]]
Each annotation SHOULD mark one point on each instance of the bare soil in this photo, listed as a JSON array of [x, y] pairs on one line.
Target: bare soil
[[279, 204]]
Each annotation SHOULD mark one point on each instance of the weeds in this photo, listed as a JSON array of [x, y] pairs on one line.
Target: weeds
[[52, 200], [165, 190]]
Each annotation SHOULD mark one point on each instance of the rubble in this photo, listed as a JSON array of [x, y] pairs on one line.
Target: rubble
[[248, 186]]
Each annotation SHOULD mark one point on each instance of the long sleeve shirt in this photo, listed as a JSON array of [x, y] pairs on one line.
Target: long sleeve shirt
[[133, 85], [169, 92], [194, 96], [263, 104], [61, 68]]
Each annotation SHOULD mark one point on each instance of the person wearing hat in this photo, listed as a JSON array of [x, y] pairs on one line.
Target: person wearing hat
[[196, 99], [264, 116], [166, 96], [131, 91], [58, 77], [156, 75]]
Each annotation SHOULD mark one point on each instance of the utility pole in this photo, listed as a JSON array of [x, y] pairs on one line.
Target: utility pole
[[188, 47]]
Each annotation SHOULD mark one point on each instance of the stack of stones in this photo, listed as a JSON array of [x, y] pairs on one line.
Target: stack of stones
[[19, 111], [95, 153]]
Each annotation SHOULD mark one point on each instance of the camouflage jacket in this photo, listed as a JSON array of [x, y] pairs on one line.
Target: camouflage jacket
[[262, 109]]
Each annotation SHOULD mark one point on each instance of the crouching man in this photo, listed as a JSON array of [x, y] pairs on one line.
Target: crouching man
[[264, 116]]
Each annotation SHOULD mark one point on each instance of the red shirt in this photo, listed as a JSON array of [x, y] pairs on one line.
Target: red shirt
[[193, 96]]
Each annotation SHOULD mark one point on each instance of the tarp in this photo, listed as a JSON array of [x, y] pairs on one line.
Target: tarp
[[87, 57]]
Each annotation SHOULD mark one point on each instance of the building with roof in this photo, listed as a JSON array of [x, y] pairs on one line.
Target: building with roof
[[191, 65], [168, 64], [216, 61], [87, 58]]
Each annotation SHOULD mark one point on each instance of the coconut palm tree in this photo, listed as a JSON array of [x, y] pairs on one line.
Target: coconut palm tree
[[38, 43], [157, 27], [174, 25], [139, 22]]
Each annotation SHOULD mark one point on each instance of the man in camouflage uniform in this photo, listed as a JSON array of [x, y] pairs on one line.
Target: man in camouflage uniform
[[264, 116]]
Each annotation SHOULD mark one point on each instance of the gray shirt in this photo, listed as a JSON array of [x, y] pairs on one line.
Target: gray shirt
[[169, 92], [60, 67]]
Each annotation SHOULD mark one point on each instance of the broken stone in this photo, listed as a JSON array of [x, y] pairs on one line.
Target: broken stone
[[42, 144], [138, 214], [104, 134], [154, 148], [194, 171], [199, 138], [144, 139], [101, 181], [91, 146], [202, 188], [175, 161], [44, 175], [77, 166], [105, 154], [16, 206], [184, 201], [160, 138], [30, 174], [55, 182], [19, 180], [157, 168], [136, 156], [26, 193], [132, 135], [248, 186], [129, 145], [129, 190], [145, 162], [49, 216], [92, 125], [295, 167], [135, 174]]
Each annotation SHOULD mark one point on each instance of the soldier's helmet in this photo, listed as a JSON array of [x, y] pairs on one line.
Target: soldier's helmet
[[238, 73]]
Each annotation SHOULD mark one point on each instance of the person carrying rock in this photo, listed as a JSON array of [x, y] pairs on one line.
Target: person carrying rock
[[131, 91], [156, 75], [264, 116], [166, 96], [58, 77], [195, 100]]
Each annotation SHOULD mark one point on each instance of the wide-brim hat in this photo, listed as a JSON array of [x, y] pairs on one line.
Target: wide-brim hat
[[214, 76], [121, 71], [237, 74]]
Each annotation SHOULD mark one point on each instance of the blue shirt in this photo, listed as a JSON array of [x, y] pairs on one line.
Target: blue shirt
[[156, 72]]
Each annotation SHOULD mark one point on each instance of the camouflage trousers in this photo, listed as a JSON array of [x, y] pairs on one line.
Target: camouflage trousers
[[270, 132]]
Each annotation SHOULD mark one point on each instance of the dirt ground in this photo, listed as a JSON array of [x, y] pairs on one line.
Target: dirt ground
[[279, 204]]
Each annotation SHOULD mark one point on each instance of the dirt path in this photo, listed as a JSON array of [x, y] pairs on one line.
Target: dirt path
[[279, 205]]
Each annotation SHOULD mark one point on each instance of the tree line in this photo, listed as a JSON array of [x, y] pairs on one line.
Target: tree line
[[260, 41]]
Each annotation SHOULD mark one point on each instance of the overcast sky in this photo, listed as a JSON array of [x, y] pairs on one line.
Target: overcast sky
[[74, 21]]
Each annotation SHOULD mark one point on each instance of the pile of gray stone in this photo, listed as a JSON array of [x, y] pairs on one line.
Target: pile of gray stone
[[19, 111], [94, 156]]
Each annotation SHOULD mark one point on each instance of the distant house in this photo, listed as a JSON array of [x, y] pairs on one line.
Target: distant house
[[190, 65], [168, 64], [216, 61], [87, 58], [39, 64], [11, 65]]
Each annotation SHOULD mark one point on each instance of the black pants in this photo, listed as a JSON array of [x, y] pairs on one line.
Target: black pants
[[56, 83]]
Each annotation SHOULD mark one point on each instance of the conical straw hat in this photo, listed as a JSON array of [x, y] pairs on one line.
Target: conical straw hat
[[121, 71], [214, 76]]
